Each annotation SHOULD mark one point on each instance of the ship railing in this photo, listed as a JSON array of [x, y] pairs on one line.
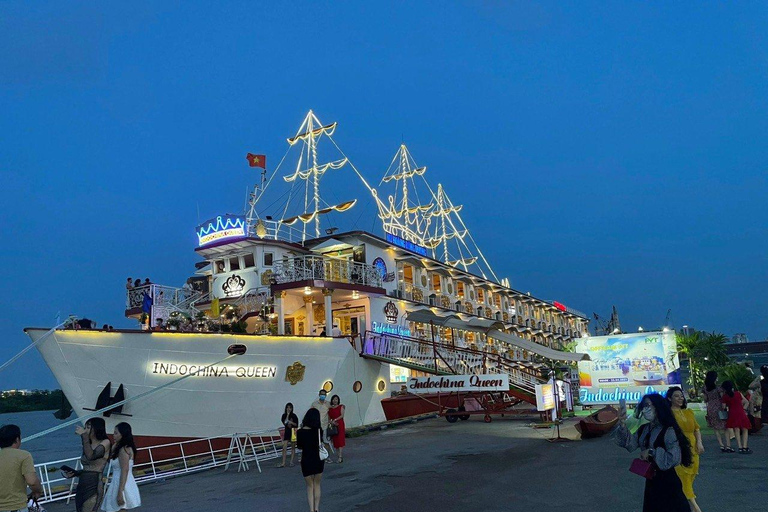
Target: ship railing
[[305, 268], [172, 459], [165, 296], [275, 230]]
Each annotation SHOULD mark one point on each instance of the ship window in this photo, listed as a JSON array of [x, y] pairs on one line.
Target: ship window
[[460, 289], [248, 261], [480, 295], [497, 299], [408, 274], [219, 266], [268, 258], [234, 263], [357, 386], [436, 285]]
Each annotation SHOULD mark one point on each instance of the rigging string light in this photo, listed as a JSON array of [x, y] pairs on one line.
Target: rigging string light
[[31, 346]]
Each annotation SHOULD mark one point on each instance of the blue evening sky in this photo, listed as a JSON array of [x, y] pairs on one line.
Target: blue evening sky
[[604, 153]]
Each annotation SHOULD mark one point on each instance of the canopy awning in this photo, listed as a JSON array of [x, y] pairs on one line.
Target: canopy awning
[[490, 327], [549, 353]]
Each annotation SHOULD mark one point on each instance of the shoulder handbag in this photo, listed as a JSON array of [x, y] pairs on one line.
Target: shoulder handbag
[[723, 415], [323, 451], [332, 430], [643, 468]]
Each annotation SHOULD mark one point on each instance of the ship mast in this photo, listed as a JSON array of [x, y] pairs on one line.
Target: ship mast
[[404, 217], [309, 135], [437, 225]]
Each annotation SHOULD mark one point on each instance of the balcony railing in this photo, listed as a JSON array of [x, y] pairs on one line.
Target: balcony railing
[[305, 268], [180, 299]]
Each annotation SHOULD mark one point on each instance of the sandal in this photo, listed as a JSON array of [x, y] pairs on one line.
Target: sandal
[[341, 459], [281, 465], [329, 461], [728, 449], [723, 449], [745, 451]]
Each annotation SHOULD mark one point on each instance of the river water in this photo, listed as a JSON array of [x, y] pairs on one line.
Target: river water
[[61, 444]]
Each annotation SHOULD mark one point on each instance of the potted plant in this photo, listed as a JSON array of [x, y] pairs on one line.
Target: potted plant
[[173, 323], [143, 321]]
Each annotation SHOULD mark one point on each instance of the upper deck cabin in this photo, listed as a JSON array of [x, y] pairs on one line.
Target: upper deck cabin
[[355, 280]]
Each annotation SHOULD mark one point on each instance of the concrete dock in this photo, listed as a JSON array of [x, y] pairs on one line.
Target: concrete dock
[[470, 465]]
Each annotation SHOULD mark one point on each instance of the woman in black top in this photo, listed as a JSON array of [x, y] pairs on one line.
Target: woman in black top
[[308, 440], [96, 446], [290, 421]]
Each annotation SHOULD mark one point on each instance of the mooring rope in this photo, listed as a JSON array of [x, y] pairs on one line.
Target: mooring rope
[[31, 346], [118, 404]]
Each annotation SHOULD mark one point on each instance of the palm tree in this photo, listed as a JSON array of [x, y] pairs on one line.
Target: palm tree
[[690, 345], [713, 350], [705, 352]]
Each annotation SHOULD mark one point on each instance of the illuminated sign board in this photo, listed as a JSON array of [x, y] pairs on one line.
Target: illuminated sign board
[[627, 366], [222, 227], [381, 268], [491, 382], [202, 370], [545, 397], [390, 329], [405, 244]]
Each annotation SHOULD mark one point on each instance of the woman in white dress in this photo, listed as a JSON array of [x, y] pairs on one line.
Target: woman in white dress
[[122, 493]]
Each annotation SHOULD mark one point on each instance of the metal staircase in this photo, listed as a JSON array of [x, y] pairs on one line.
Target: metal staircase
[[253, 301], [440, 358]]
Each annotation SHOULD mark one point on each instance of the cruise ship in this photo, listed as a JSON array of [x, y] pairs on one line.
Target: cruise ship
[[282, 304]]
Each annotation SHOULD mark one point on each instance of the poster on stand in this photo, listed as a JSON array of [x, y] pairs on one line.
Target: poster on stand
[[627, 366]]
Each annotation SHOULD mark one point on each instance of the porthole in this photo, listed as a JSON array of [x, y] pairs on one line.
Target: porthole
[[328, 386], [381, 386], [357, 386]]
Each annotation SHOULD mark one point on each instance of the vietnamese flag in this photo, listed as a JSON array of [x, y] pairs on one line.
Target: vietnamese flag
[[257, 160]]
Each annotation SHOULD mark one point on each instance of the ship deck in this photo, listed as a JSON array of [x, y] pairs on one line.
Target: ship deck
[[470, 465]]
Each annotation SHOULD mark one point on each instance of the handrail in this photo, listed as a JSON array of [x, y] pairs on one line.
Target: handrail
[[258, 294], [160, 465]]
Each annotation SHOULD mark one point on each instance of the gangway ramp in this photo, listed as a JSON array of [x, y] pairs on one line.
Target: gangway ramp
[[441, 358]]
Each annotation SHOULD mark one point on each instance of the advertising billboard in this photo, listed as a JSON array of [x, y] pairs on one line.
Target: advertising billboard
[[627, 366]]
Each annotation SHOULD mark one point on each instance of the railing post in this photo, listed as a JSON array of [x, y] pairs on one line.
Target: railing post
[[434, 345]]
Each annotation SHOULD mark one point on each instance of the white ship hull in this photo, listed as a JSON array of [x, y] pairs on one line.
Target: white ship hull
[[246, 393]]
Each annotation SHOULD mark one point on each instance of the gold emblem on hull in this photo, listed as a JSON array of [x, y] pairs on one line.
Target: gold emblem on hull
[[295, 373]]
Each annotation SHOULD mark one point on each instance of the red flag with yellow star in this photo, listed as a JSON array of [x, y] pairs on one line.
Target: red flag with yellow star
[[257, 160]]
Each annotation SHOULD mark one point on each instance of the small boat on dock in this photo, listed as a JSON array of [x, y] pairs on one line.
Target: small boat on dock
[[598, 423]]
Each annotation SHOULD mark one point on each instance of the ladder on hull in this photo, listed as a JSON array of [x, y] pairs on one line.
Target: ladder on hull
[[440, 358]]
